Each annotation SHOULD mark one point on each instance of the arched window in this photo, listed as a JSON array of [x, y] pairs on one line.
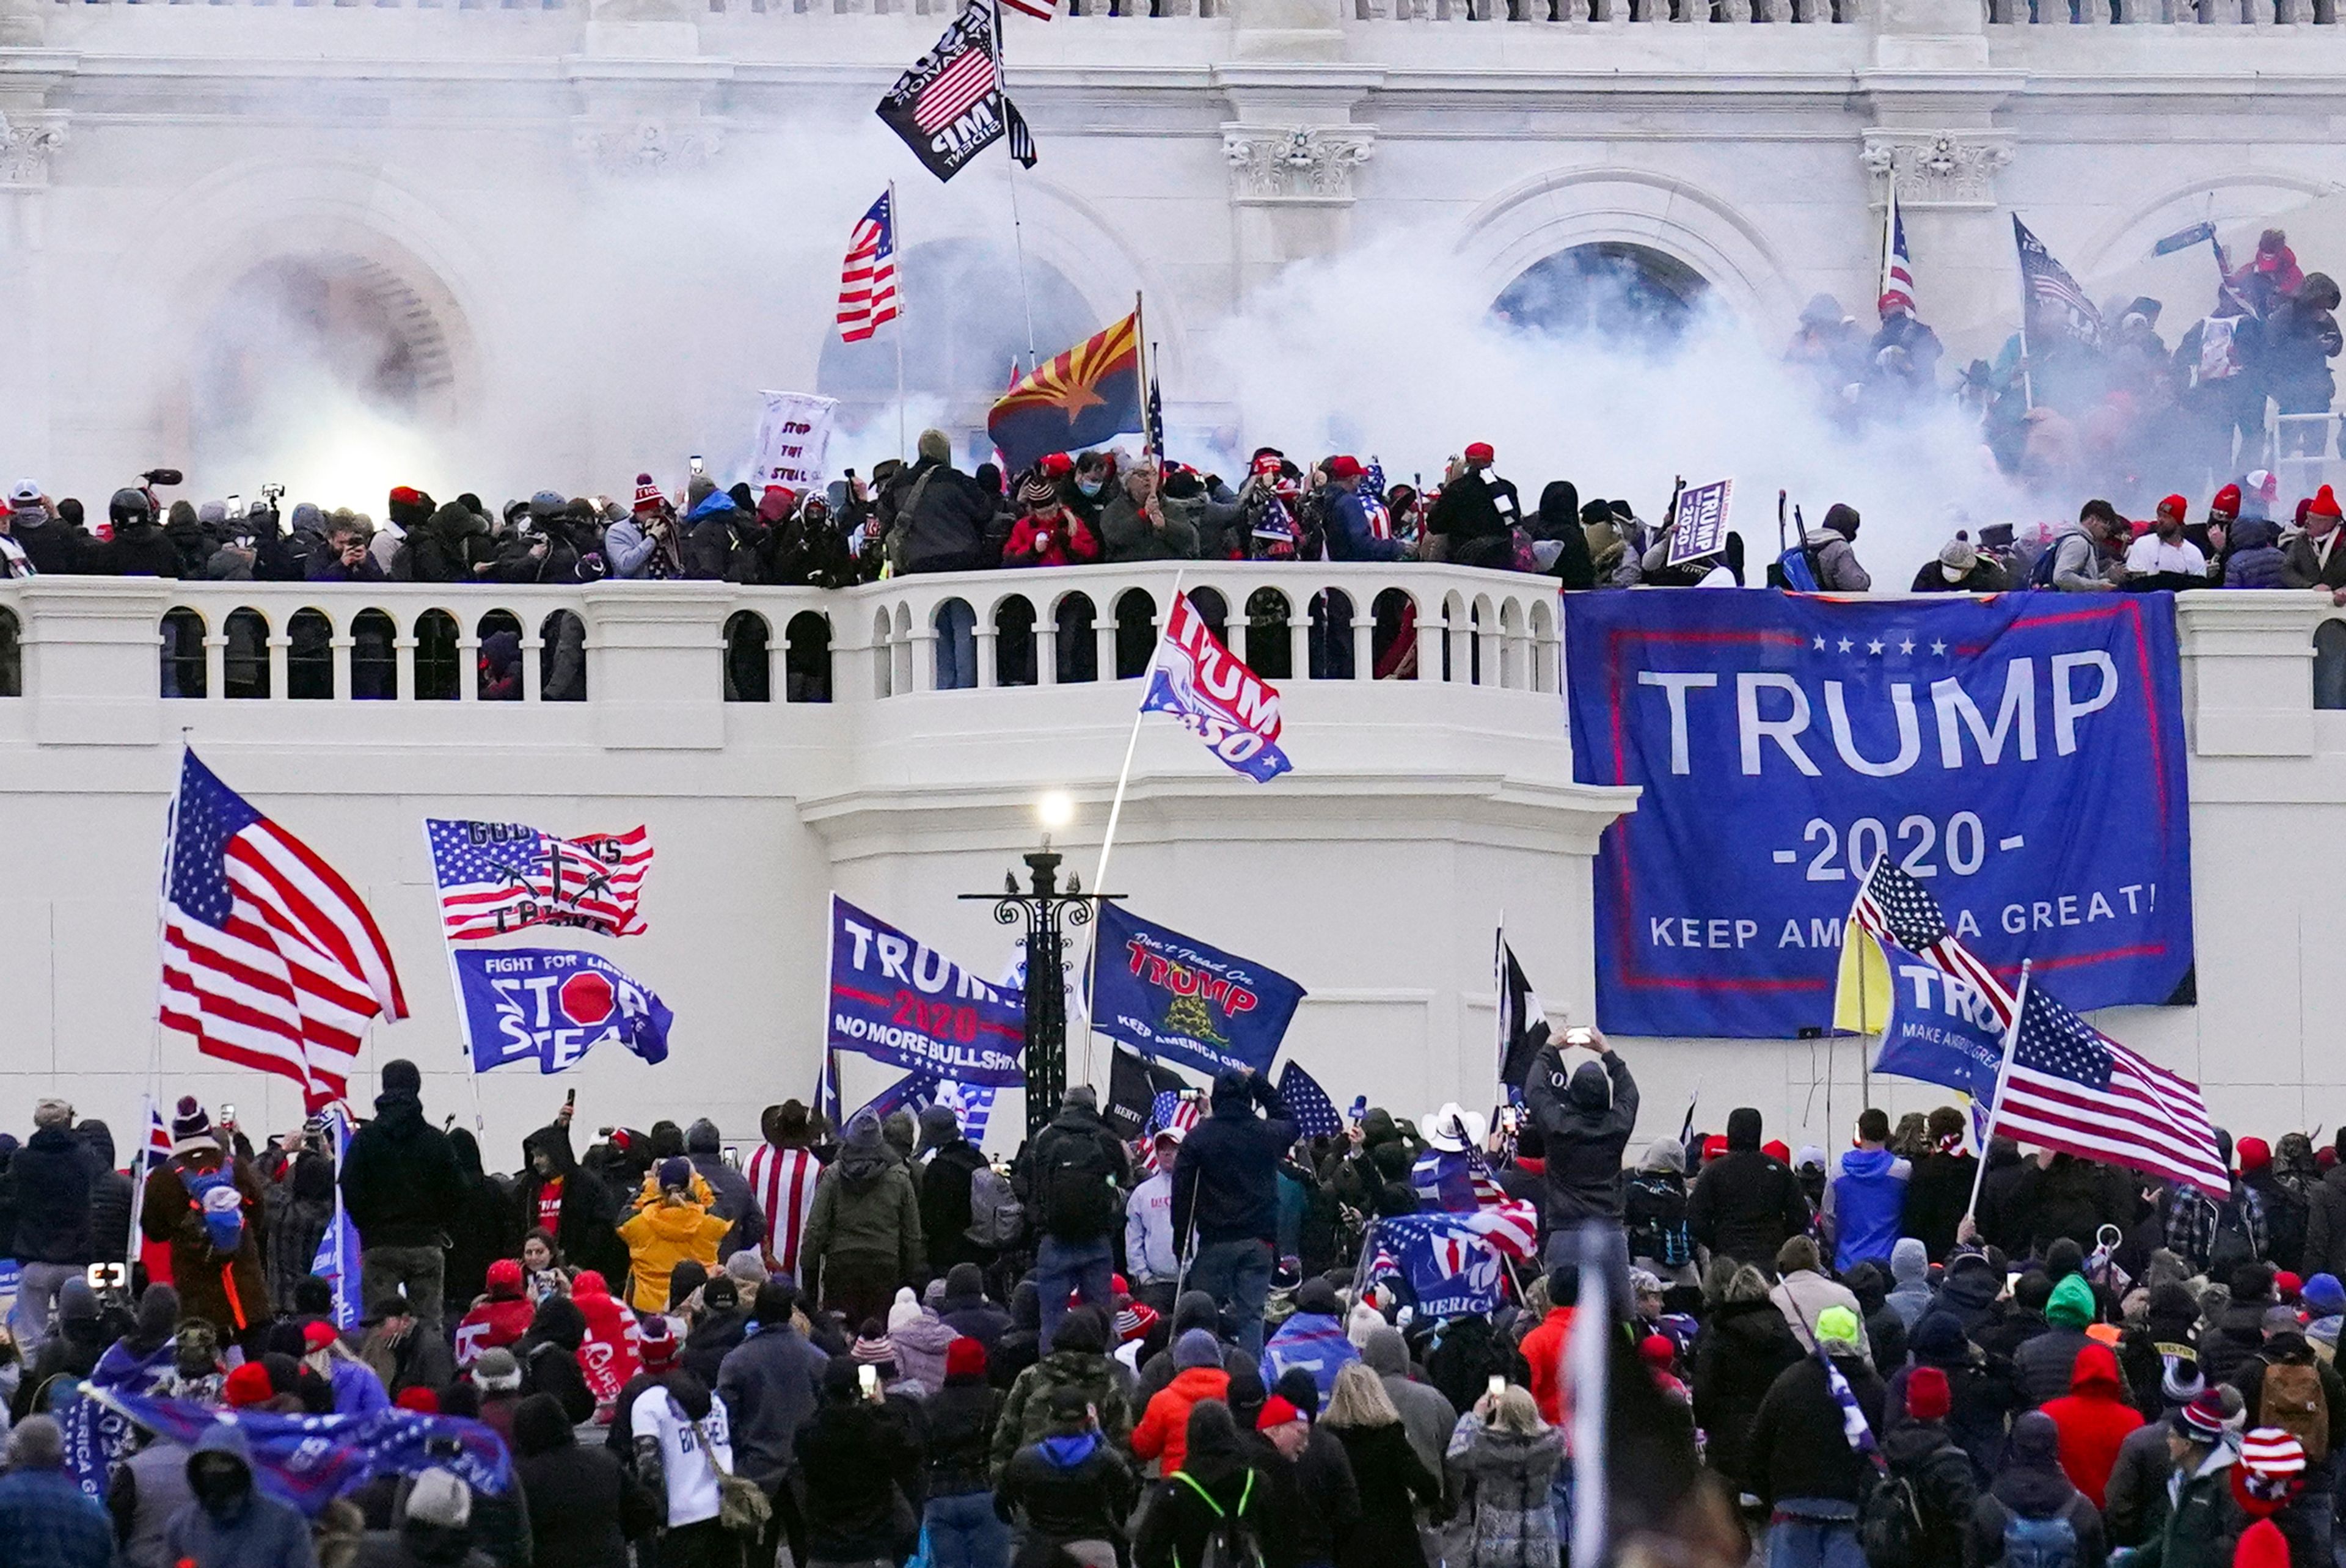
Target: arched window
[[1611, 291], [1136, 632], [439, 669], [1270, 650], [245, 670], [749, 669], [806, 658], [2329, 665], [1014, 642], [183, 653], [1213, 610], [374, 657], [310, 659], [1079, 649], [1330, 651], [12, 657], [562, 658], [1392, 640], [500, 671], [955, 625]]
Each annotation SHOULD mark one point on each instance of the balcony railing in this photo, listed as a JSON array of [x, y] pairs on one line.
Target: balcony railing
[[424, 643]]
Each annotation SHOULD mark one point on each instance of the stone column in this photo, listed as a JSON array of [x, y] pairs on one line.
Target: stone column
[[1934, 100], [1294, 154], [31, 135]]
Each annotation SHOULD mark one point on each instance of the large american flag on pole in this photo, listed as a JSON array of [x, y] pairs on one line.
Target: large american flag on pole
[[1897, 266], [270, 958], [2070, 1087], [500, 876], [867, 278]]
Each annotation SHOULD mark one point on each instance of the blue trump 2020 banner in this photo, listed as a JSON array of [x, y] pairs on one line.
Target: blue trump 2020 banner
[[898, 1000], [2021, 756], [1940, 1028], [1173, 997], [552, 1006]]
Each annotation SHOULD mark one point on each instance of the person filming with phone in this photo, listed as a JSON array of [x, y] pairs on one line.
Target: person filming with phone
[[1584, 1115]]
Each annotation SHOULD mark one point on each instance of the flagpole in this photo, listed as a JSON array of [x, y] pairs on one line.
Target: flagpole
[[2027, 382], [1140, 358], [896, 240], [2003, 1069], [1499, 997], [1018, 242], [155, 1058], [1107, 839]]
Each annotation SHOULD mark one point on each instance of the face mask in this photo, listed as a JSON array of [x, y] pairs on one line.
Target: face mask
[[1088, 486], [219, 1487]]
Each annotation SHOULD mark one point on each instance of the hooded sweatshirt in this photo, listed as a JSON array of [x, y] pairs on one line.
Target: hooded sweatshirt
[[2032, 1487], [1226, 1177], [1909, 1272], [401, 1185], [865, 1207], [2094, 1419], [1584, 1117], [1746, 1204], [249, 1531], [1868, 1203]]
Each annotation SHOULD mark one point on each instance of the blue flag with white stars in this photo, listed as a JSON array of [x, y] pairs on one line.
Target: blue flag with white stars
[[2019, 757]]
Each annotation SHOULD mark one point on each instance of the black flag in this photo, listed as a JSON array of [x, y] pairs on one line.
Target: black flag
[[1022, 140], [1523, 1024], [949, 107], [1133, 1086]]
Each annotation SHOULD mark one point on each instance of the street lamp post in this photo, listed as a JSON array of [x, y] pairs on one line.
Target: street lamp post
[[1048, 913]]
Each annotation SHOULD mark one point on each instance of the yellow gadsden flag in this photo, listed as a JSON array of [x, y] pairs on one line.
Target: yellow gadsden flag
[[1862, 997]]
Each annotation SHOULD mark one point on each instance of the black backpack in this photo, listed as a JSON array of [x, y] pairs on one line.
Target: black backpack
[[1890, 1523], [1076, 1183], [1233, 1542]]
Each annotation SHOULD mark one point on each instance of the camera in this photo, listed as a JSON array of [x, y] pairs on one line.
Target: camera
[[271, 492], [164, 476]]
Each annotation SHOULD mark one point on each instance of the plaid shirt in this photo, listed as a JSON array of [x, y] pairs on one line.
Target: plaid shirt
[[2191, 1219]]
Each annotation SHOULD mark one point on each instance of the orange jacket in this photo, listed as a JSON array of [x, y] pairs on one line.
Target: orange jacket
[[1164, 1429]]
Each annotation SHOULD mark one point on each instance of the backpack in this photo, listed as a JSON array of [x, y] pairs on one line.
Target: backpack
[[218, 1199], [1795, 569], [2231, 1247], [1656, 1211], [1080, 1198], [2039, 1542], [996, 1218], [2292, 1400], [1890, 1523], [1233, 1542]]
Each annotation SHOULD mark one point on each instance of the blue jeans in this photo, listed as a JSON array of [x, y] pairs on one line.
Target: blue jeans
[[1236, 1275], [1814, 1544], [957, 645], [1061, 1267], [965, 1532]]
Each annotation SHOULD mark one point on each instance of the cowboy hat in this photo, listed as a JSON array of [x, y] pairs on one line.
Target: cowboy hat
[[1453, 1129]]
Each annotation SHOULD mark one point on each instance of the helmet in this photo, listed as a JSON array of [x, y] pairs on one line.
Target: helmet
[[130, 506]]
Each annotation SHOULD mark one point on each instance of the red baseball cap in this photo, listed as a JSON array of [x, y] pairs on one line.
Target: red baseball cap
[[1343, 466]]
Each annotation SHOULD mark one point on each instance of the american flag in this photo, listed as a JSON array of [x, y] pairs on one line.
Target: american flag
[[1172, 1108], [2070, 1087], [499, 877], [1895, 904], [1459, 1182], [2047, 284], [966, 81], [1041, 10], [1307, 1104], [1897, 266], [867, 278], [270, 958], [158, 1134]]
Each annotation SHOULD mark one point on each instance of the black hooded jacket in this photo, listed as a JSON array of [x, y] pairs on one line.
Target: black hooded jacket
[[2031, 1485], [401, 1186], [1584, 1120], [486, 1226], [586, 1232], [1226, 1178], [110, 1192], [52, 1177], [1746, 1204], [1559, 520], [137, 550], [549, 1357]]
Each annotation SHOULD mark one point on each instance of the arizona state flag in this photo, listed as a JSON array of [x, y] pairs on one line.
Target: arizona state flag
[[1086, 395]]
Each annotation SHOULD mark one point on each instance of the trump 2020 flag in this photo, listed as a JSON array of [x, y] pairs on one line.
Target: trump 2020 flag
[[1215, 696], [1174, 998], [897, 999], [949, 107], [552, 1006]]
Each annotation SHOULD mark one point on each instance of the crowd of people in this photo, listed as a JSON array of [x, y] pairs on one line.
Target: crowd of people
[[873, 1343]]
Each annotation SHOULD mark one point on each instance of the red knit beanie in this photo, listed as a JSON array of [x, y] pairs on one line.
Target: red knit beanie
[[1927, 1394], [422, 1402], [965, 1357], [247, 1386]]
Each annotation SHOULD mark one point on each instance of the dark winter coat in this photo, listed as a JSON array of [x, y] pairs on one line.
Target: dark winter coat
[[2252, 557], [960, 1419], [1176, 1524], [300, 1206], [401, 1184], [770, 1384], [2031, 1486], [548, 1354], [487, 1227], [1738, 1356], [54, 547], [1226, 1177], [942, 521], [1048, 1149], [735, 1201], [1392, 1484], [53, 1175], [849, 1455], [1746, 1204], [1937, 1195], [1981, 1397], [2325, 1224], [2002, 1219], [1069, 1489], [2295, 1350], [1473, 510], [137, 550], [944, 1206], [169, 1214], [1946, 1489], [448, 545], [586, 1232], [1585, 1118], [110, 1192], [1798, 1449], [584, 1506]]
